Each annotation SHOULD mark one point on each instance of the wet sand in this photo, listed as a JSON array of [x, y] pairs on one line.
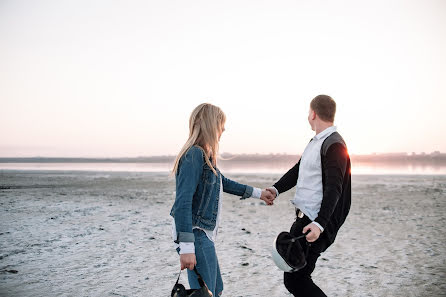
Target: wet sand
[[68, 233]]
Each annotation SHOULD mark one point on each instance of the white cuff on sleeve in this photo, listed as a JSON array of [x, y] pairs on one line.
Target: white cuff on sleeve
[[274, 188], [319, 226], [187, 248], [256, 193]]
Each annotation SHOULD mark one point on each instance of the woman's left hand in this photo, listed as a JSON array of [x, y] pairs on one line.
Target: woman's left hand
[[188, 261]]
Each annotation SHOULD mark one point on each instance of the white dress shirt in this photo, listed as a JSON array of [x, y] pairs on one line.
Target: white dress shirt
[[309, 192], [309, 189]]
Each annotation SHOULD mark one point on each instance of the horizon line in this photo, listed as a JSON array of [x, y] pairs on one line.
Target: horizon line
[[396, 154]]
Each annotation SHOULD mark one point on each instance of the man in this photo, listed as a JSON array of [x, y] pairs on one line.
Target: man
[[323, 192]]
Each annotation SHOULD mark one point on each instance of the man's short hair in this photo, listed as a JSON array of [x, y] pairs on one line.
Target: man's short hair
[[325, 107]]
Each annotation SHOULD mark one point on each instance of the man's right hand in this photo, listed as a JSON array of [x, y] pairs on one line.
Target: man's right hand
[[188, 261], [272, 191]]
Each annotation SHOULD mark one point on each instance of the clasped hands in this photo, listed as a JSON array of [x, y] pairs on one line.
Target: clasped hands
[[268, 195]]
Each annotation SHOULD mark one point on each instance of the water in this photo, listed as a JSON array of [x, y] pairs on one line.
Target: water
[[242, 167]]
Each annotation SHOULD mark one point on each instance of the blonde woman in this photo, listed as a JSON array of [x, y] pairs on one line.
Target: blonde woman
[[198, 201]]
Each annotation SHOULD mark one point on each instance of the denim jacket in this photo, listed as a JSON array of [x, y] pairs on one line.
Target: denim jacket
[[197, 194]]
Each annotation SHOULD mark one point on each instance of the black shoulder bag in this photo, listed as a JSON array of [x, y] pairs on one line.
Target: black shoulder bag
[[180, 291]]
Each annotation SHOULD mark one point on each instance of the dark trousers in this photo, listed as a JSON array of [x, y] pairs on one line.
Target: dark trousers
[[300, 283]]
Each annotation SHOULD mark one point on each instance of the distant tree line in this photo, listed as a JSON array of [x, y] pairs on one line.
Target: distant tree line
[[436, 157]]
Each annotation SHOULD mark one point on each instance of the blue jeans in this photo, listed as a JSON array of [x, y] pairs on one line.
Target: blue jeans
[[207, 264]]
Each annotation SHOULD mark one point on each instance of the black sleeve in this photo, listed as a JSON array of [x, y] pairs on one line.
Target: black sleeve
[[334, 170], [288, 180]]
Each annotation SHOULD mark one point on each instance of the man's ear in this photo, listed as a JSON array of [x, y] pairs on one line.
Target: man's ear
[[313, 115]]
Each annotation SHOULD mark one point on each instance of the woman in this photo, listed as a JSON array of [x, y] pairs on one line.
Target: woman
[[198, 203]]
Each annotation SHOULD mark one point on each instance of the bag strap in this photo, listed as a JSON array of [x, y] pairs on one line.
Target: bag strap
[[178, 279], [200, 279]]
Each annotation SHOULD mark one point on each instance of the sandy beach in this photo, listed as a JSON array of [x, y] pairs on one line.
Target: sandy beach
[[76, 233]]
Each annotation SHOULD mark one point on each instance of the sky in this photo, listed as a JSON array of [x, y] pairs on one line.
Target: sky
[[120, 78]]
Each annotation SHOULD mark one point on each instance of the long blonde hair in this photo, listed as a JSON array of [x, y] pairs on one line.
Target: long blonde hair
[[205, 123]]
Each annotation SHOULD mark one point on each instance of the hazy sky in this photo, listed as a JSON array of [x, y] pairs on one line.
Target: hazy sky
[[120, 78]]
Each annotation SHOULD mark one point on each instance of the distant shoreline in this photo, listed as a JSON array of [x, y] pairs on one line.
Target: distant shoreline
[[436, 158]]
